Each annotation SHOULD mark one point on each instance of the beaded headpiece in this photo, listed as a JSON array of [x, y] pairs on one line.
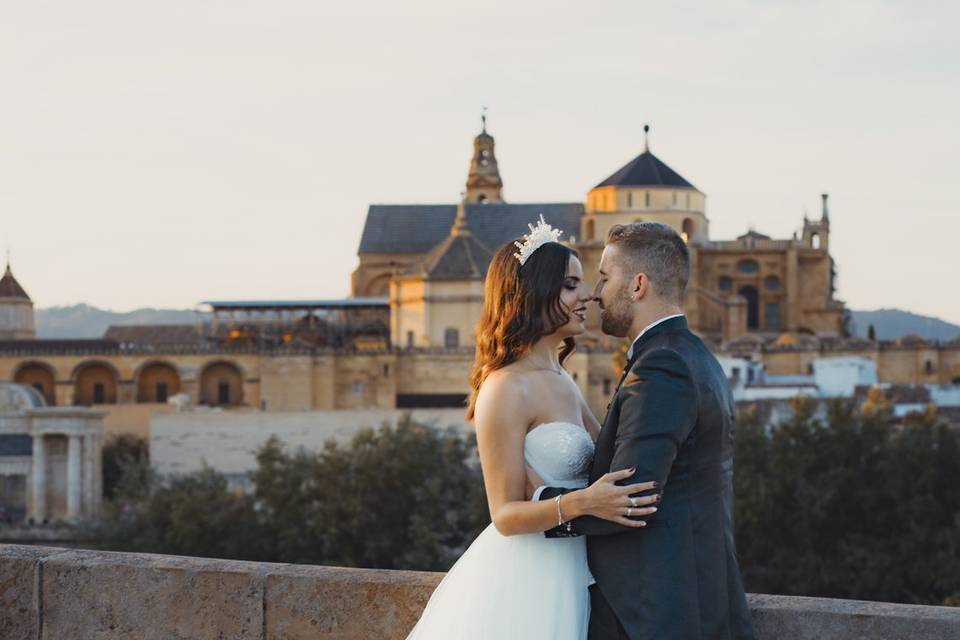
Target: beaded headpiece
[[539, 235]]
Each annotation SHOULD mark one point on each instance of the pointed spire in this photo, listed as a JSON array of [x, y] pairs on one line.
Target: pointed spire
[[460, 227], [483, 120], [825, 215], [9, 287], [646, 138]]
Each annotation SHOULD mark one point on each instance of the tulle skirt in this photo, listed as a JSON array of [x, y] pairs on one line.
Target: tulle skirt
[[504, 587]]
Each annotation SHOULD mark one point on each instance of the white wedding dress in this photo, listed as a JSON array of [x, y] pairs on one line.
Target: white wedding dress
[[523, 586]]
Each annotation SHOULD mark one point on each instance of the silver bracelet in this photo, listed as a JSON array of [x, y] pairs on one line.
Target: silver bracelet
[[559, 512]]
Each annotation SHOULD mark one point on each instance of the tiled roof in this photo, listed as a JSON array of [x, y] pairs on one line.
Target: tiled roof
[[58, 345], [418, 228], [10, 288], [458, 257], [152, 334], [646, 170]]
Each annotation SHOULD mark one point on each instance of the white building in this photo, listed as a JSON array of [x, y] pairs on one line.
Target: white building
[[50, 458], [831, 378]]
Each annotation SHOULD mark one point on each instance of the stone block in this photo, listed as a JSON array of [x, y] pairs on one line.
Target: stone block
[[138, 596], [328, 603], [19, 599], [800, 618]]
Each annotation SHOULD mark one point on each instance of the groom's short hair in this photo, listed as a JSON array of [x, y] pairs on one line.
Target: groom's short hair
[[657, 250]]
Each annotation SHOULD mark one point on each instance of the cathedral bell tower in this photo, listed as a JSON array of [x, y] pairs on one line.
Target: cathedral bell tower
[[483, 182]]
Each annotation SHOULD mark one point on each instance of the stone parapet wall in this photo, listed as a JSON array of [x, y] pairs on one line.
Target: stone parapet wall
[[51, 593]]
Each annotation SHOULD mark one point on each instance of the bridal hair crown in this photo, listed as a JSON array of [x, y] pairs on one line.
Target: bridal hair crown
[[539, 235]]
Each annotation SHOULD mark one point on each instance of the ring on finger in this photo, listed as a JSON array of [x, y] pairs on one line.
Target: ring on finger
[[629, 511], [633, 502]]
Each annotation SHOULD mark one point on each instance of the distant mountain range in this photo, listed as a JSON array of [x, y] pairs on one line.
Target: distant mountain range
[[84, 321], [891, 324]]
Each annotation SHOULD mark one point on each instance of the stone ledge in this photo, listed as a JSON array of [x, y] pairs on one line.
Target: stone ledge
[[53, 593]]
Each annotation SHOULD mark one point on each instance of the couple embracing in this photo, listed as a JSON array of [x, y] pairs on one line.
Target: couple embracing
[[616, 531]]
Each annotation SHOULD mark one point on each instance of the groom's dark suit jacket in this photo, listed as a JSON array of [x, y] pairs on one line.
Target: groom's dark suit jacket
[[672, 417]]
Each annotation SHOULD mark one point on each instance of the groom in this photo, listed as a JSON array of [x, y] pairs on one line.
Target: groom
[[671, 417]]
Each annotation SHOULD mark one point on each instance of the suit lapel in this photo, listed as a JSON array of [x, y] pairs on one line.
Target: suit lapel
[[608, 431]]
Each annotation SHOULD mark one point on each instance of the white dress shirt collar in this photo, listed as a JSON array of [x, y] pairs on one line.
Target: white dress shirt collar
[[647, 328]]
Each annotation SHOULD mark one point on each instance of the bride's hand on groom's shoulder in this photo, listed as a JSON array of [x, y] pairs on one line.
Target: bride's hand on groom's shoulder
[[610, 501]]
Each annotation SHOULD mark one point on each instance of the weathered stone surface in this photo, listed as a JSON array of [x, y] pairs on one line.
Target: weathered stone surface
[[327, 603], [19, 603], [798, 618], [89, 595], [101, 595]]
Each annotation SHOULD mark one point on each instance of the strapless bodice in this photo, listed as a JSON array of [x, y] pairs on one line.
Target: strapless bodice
[[560, 453]]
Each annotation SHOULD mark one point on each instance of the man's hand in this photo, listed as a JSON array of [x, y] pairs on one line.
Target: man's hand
[[533, 481]]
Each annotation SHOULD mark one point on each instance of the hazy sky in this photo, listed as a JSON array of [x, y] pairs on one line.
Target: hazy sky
[[163, 153]]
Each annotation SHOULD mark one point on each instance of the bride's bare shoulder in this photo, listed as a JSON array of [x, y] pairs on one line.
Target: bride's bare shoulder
[[503, 392]]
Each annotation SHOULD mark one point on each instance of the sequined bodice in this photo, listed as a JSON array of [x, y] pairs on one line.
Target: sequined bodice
[[560, 453]]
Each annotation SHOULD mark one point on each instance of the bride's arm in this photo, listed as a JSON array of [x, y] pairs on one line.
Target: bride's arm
[[501, 421]]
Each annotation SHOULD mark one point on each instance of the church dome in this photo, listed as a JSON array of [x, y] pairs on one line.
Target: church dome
[[646, 170]]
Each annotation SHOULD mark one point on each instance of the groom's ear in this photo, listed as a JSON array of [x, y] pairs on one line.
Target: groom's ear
[[639, 287]]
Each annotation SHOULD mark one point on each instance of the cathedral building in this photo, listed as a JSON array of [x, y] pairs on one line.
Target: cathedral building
[[430, 259]]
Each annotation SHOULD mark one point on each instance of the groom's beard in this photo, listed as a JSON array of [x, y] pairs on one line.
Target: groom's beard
[[615, 320]]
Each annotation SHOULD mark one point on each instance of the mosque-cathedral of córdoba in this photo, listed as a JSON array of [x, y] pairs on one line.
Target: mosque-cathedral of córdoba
[[404, 337]]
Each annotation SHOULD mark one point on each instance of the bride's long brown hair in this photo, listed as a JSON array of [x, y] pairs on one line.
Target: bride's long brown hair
[[521, 304]]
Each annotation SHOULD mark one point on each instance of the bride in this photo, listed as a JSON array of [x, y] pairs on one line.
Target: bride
[[531, 421]]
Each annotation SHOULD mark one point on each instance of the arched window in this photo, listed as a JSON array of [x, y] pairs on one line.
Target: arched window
[[95, 383], [646, 198], [748, 266], [674, 197], [156, 382], [629, 199], [753, 310], [772, 283], [725, 283], [928, 367], [815, 241], [221, 384], [451, 338], [589, 229], [39, 376], [688, 201], [482, 198], [687, 228]]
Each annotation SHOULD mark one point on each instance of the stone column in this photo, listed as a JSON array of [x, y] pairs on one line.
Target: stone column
[[39, 480], [97, 474], [88, 480], [74, 478]]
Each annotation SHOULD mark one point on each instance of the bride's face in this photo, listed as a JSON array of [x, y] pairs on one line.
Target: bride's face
[[574, 296]]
